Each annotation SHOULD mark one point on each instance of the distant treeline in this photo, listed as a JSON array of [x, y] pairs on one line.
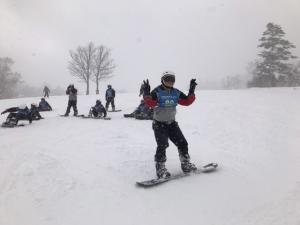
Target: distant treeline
[[12, 86]]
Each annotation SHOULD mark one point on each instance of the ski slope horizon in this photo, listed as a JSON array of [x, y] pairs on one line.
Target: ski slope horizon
[[74, 171]]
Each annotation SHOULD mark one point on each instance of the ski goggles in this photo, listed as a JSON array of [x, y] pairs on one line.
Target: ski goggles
[[169, 78]]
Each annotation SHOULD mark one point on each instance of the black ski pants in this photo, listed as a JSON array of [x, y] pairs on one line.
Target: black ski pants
[[163, 132], [110, 101], [73, 104]]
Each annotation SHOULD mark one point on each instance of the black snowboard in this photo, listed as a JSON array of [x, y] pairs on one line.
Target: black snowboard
[[211, 167], [96, 118], [8, 125], [117, 110], [71, 116], [128, 115]]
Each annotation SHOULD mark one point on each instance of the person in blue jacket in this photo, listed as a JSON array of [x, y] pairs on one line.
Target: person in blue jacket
[[110, 95], [44, 105]]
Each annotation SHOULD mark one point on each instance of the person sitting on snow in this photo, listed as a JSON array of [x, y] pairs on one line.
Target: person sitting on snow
[[142, 112], [44, 105], [98, 110], [17, 113], [35, 115]]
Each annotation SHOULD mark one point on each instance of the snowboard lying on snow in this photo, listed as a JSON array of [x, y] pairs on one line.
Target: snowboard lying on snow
[[211, 167], [9, 125], [116, 110], [96, 118], [88, 117], [62, 115]]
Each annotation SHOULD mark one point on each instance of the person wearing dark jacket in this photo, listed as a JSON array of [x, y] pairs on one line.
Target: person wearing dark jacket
[[46, 91], [17, 113], [72, 92], [110, 97], [164, 99], [142, 112], [44, 105], [98, 110], [34, 111]]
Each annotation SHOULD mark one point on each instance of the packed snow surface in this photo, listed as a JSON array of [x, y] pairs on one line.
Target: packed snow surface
[[74, 171]]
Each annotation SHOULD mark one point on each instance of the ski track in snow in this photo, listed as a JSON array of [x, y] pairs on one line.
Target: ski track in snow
[[62, 171]]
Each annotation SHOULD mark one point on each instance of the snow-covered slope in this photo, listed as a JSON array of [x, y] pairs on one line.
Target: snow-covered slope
[[72, 171]]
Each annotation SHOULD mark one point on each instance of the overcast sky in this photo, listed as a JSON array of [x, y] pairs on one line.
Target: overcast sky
[[205, 39]]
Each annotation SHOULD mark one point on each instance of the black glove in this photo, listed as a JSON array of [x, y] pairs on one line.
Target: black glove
[[141, 90], [193, 85], [146, 87]]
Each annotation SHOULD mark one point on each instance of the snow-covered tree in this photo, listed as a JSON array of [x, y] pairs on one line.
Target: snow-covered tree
[[8, 79], [274, 67]]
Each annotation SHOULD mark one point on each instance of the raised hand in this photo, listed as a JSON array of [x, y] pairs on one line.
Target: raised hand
[[146, 87], [193, 85]]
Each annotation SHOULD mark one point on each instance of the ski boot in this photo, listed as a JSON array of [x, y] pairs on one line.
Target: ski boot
[[186, 165], [161, 170]]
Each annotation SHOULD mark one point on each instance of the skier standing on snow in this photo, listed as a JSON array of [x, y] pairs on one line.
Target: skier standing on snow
[[164, 99], [46, 92], [72, 92], [110, 97], [98, 110]]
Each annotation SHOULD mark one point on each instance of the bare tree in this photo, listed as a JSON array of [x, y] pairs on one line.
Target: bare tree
[[81, 64], [103, 65], [8, 79]]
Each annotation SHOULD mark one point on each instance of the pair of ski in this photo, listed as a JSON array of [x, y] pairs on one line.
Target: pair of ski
[[211, 167]]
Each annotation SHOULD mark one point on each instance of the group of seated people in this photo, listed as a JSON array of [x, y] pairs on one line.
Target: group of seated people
[[22, 112], [142, 112]]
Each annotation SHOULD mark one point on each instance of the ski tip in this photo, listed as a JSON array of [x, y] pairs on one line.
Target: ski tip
[[210, 167], [141, 184]]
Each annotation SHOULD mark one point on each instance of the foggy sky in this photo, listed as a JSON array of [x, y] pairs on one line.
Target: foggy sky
[[207, 39]]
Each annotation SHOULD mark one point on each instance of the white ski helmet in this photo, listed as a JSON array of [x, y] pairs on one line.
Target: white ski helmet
[[168, 76]]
